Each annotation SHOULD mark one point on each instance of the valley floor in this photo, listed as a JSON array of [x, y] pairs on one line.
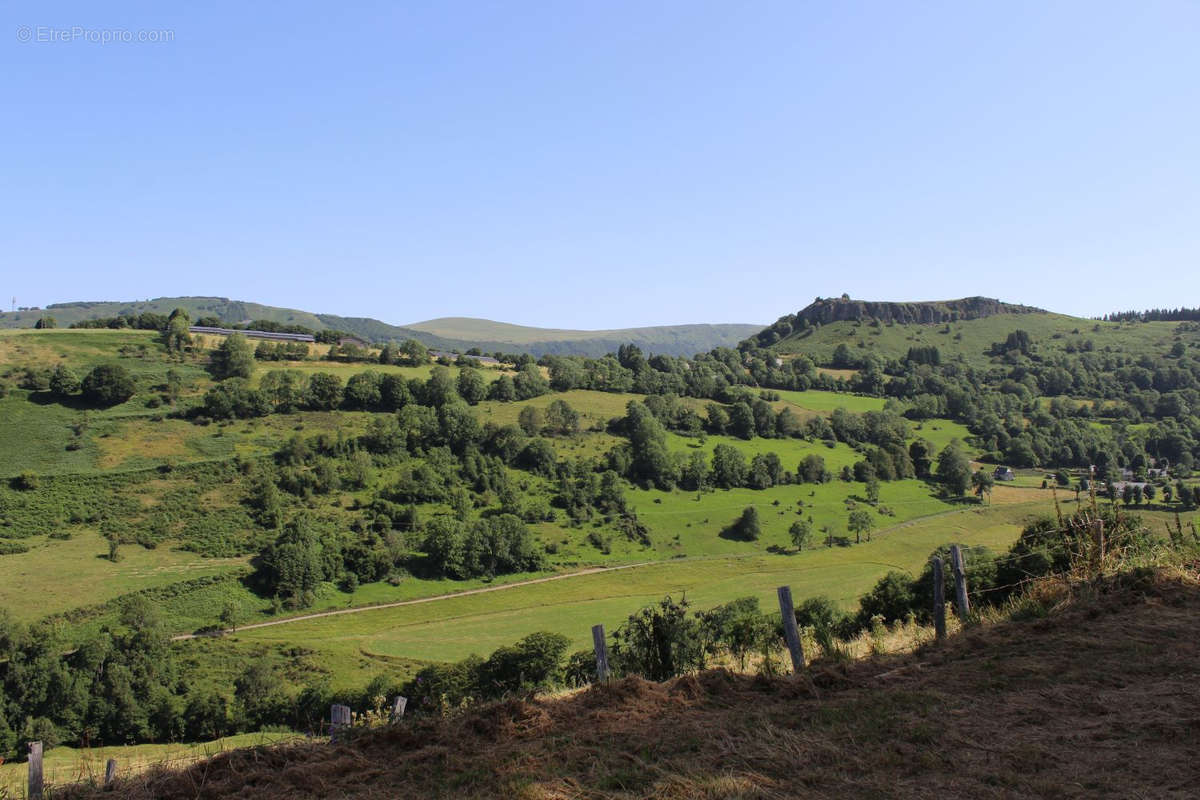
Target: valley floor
[[1099, 699]]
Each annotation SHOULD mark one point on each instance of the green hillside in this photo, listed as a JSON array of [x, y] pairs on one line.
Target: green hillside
[[676, 340], [971, 339], [225, 488], [456, 333]]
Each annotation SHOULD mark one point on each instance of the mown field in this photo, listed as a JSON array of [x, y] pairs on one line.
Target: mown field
[[458, 626]]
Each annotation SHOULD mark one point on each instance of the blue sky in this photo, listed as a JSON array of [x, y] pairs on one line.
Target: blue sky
[[602, 164]]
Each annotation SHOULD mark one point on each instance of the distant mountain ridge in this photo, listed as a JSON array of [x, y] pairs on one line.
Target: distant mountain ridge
[[450, 333], [824, 311]]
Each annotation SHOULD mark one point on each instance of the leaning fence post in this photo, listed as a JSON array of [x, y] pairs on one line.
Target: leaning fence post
[[110, 772], [939, 598], [339, 720], [35, 771], [790, 632], [398, 706], [960, 582], [601, 646]]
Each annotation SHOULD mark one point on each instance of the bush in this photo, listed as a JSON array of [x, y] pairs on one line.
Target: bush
[[108, 385], [26, 482], [659, 642]]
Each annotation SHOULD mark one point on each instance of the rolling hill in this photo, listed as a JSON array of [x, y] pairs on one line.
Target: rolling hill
[[454, 333], [967, 328]]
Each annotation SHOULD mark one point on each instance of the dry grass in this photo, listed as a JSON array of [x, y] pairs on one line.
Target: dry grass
[[1100, 699]]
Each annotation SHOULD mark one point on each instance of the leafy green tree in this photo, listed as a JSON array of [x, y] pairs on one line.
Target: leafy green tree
[[412, 353], [108, 385], [364, 391], [283, 389], [873, 491], [63, 382], [728, 467], [746, 527], [812, 470], [502, 390], [860, 522], [323, 392], [983, 482], [471, 385], [953, 469], [45, 323], [177, 337], [800, 533], [561, 418], [233, 358], [530, 383], [741, 421]]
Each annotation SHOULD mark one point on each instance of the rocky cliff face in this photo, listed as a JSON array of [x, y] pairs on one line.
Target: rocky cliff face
[[839, 309]]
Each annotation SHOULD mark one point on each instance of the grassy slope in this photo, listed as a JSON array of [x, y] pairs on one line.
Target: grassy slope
[[977, 336], [1095, 700], [456, 627], [132, 436]]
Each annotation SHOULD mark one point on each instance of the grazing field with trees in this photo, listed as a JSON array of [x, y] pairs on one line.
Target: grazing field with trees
[[163, 495]]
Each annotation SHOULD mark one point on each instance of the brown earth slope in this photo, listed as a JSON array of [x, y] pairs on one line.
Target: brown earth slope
[[1100, 699]]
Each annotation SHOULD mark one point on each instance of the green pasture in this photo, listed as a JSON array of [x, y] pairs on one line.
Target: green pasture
[[455, 627], [972, 339]]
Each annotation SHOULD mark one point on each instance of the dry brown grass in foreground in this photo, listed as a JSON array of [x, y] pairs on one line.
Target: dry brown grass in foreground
[[1100, 699]]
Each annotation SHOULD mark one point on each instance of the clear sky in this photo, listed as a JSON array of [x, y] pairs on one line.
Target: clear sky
[[601, 164]]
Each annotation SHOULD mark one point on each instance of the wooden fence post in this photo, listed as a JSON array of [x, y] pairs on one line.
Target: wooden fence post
[[110, 772], [339, 720], [960, 582], [939, 598], [35, 771], [601, 646], [790, 632], [398, 706]]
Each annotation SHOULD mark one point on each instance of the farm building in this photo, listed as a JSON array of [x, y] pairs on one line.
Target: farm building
[[1004, 474], [278, 337]]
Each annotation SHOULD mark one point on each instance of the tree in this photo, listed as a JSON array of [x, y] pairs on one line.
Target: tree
[[531, 419], [800, 532], [983, 482], [412, 353], [231, 613], [747, 527], [529, 382], [233, 358], [364, 391], [741, 421], [561, 418], [324, 392], [873, 491], [471, 385], [63, 382], [812, 470], [108, 385], [860, 522], [502, 389], [728, 467], [177, 337], [45, 323], [953, 469]]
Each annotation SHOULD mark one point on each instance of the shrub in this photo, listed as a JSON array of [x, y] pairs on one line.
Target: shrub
[[108, 385]]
